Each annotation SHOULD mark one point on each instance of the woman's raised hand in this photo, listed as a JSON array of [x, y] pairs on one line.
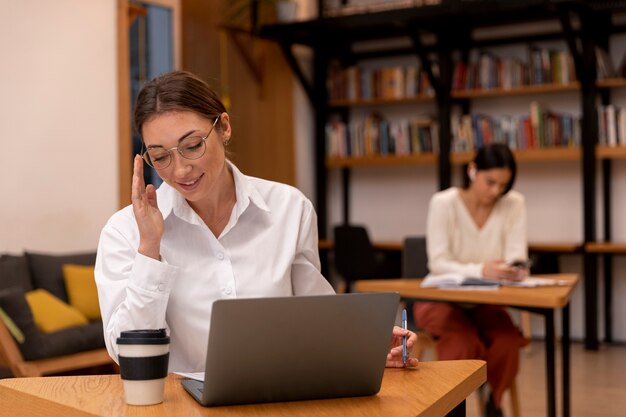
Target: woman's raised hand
[[147, 215]]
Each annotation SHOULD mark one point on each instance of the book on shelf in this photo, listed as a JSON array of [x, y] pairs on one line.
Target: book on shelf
[[604, 66], [376, 136], [356, 83], [458, 281], [490, 71], [338, 8], [611, 126], [539, 130]]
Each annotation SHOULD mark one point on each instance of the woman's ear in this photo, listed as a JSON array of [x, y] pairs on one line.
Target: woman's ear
[[471, 172], [225, 125], [225, 128]]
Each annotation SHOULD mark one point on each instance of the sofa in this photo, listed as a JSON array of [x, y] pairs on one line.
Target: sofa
[[49, 316]]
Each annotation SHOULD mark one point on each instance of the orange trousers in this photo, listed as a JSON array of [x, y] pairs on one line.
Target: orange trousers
[[481, 332]]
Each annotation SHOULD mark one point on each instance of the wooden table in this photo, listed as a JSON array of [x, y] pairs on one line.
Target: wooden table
[[549, 247], [542, 300], [433, 389], [606, 251]]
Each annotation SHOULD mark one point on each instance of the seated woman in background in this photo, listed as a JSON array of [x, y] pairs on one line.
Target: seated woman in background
[[477, 231]]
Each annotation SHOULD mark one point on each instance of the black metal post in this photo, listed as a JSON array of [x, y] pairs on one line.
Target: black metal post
[[444, 104], [589, 129], [607, 259], [345, 194], [565, 346], [320, 68], [550, 363], [459, 410]]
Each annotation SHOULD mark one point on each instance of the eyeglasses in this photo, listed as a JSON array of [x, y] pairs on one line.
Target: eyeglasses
[[191, 147]]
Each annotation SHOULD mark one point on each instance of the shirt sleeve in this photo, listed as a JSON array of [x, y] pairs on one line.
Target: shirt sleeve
[[515, 233], [133, 289], [438, 223], [306, 278]]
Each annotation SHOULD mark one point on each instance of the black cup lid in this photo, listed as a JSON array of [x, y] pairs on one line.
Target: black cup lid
[[143, 337]]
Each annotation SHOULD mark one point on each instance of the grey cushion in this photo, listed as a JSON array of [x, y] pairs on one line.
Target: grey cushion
[[47, 270], [38, 345], [14, 272]]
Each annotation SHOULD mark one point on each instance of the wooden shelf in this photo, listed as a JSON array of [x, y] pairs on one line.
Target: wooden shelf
[[526, 155], [459, 158], [516, 91], [381, 101], [548, 154], [415, 159], [555, 247], [605, 247], [611, 83], [611, 152], [482, 93]]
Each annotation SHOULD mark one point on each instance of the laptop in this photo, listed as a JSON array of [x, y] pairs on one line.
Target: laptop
[[296, 348]]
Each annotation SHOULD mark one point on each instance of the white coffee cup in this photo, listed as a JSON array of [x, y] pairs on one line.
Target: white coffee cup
[[143, 359]]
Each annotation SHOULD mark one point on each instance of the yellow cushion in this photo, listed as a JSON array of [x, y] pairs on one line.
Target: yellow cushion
[[82, 293], [51, 314]]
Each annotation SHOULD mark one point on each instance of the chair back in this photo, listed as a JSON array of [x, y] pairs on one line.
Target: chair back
[[414, 257], [354, 253]]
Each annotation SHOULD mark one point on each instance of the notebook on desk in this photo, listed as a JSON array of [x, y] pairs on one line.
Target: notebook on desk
[[296, 348]]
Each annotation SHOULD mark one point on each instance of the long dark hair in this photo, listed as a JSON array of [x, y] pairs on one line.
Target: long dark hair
[[176, 91], [495, 155]]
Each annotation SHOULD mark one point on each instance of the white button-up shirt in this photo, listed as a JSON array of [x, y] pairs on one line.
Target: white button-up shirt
[[268, 248]]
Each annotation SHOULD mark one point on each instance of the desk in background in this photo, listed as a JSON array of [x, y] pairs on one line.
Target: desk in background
[[606, 251], [545, 247], [433, 389], [541, 300]]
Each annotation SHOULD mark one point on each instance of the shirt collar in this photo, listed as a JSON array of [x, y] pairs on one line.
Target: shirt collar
[[170, 200]]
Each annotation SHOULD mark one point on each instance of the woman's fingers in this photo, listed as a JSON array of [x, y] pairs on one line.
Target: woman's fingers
[[138, 186], [394, 357], [394, 362], [152, 196]]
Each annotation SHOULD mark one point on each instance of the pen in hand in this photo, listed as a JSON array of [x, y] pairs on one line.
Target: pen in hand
[[405, 353]]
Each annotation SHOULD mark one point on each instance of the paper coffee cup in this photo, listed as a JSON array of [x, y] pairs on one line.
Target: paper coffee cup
[[143, 357]]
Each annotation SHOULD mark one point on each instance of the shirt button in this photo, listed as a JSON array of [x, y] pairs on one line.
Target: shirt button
[[228, 290], [161, 287], [220, 256]]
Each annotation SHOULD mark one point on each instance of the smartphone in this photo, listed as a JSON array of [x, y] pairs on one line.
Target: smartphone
[[519, 263]]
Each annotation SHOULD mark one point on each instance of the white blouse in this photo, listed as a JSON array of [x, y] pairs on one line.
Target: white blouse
[[268, 248], [456, 244]]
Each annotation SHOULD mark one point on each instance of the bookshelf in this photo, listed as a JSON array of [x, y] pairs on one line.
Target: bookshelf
[[380, 102], [434, 34], [516, 91]]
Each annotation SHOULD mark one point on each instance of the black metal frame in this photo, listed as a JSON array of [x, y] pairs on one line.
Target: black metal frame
[[330, 38], [550, 338]]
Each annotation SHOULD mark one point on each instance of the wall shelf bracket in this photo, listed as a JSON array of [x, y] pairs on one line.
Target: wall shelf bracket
[[287, 49], [244, 43]]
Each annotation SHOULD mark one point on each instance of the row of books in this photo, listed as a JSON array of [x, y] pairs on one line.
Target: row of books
[[355, 83], [490, 71], [375, 135], [611, 126], [605, 67], [343, 8], [540, 129], [545, 66]]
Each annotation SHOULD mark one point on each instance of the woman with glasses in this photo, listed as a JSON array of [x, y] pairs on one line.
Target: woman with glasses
[[209, 232]]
